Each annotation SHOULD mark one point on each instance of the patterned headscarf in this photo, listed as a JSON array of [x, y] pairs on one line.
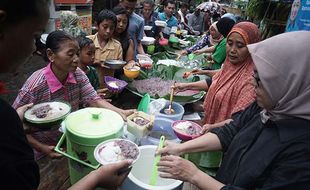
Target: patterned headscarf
[[232, 88], [283, 65]]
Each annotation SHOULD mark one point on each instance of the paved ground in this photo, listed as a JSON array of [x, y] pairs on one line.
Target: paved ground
[[15, 81]]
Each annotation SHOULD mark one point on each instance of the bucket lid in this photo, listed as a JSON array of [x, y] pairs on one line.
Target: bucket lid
[[91, 124], [144, 103]]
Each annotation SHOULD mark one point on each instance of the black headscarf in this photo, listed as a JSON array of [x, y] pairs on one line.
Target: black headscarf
[[224, 25]]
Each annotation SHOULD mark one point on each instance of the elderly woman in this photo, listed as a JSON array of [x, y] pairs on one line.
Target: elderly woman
[[267, 146], [231, 89]]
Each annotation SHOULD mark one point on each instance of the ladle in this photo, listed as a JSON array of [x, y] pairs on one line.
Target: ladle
[[170, 111]]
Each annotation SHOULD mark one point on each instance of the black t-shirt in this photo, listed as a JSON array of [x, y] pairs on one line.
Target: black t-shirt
[[274, 155], [18, 169]]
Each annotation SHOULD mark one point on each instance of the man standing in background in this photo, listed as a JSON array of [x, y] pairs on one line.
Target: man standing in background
[[136, 24]]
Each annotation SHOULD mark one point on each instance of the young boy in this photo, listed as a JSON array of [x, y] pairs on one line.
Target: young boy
[[106, 47]]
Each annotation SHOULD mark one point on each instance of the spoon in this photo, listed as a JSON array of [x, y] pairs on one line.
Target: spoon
[[154, 174], [170, 111]]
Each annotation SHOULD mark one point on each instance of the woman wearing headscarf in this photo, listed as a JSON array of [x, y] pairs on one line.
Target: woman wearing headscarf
[[218, 52], [267, 146], [231, 89], [208, 40]]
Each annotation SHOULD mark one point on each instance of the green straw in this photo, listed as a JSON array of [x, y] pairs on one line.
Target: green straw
[[154, 175]]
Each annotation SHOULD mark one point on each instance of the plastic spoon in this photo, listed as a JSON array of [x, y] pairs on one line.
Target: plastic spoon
[[154, 174]]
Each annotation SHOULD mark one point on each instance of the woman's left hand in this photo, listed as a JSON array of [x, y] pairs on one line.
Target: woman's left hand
[[21, 110], [126, 113], [176, 167]]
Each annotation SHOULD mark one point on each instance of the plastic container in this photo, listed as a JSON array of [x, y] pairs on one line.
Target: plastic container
[[114, 84], [139, 176], [160, 23], [163, 42], [131, 72], [161, 126], [145, 61], [178, 112], [181, 133], [85, 129], [139, 130], [147, 40]]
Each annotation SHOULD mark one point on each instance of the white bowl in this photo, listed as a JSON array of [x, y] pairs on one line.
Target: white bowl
[[101, 146], [160, 23]]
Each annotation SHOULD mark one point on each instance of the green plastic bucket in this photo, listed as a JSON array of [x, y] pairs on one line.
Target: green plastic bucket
[[85, 129]]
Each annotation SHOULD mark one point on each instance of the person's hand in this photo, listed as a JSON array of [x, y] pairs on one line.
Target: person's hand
[[49, 150], [107, 176], [176, 167], [126, 113], [183, 53], [197, 52], [180, 87], [206, 128], [21, 110], [102, 92], [130, 64], [169, 148], [197, 72]]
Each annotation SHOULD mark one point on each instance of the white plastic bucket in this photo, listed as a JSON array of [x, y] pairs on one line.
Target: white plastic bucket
[[178, 112], [139, 177]]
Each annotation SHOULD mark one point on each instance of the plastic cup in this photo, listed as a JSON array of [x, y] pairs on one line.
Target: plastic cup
[[150, 49]]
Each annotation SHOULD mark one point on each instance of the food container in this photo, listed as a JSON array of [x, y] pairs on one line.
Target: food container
[[163, 42], [145, 61], [147, 40], [139, 123], [173, 39], [178, 112], [184, 32], [147, 28], [161, 126], [115, 85], [186, 130], [47, 114], [116, 150], [140, 174], [85, 129], [114, 64], [131, 72], [160, 23]]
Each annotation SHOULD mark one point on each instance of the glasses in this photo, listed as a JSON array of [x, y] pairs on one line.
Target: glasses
[[256, 77]]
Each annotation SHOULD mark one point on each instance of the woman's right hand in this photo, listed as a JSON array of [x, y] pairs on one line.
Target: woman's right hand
[[197, 72], [180, 87], [183, 52], [49, 150], [170, 148], [197, 52]]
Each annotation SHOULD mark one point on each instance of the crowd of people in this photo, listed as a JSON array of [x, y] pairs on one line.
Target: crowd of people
[[257, 114]]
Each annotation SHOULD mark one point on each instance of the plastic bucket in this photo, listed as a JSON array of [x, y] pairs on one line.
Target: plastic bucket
[[84, 130], [162, 126], [139, 177], [178, 112]]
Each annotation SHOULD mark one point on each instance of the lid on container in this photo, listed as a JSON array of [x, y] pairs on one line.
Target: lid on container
[[144, 103], [93, 123]]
